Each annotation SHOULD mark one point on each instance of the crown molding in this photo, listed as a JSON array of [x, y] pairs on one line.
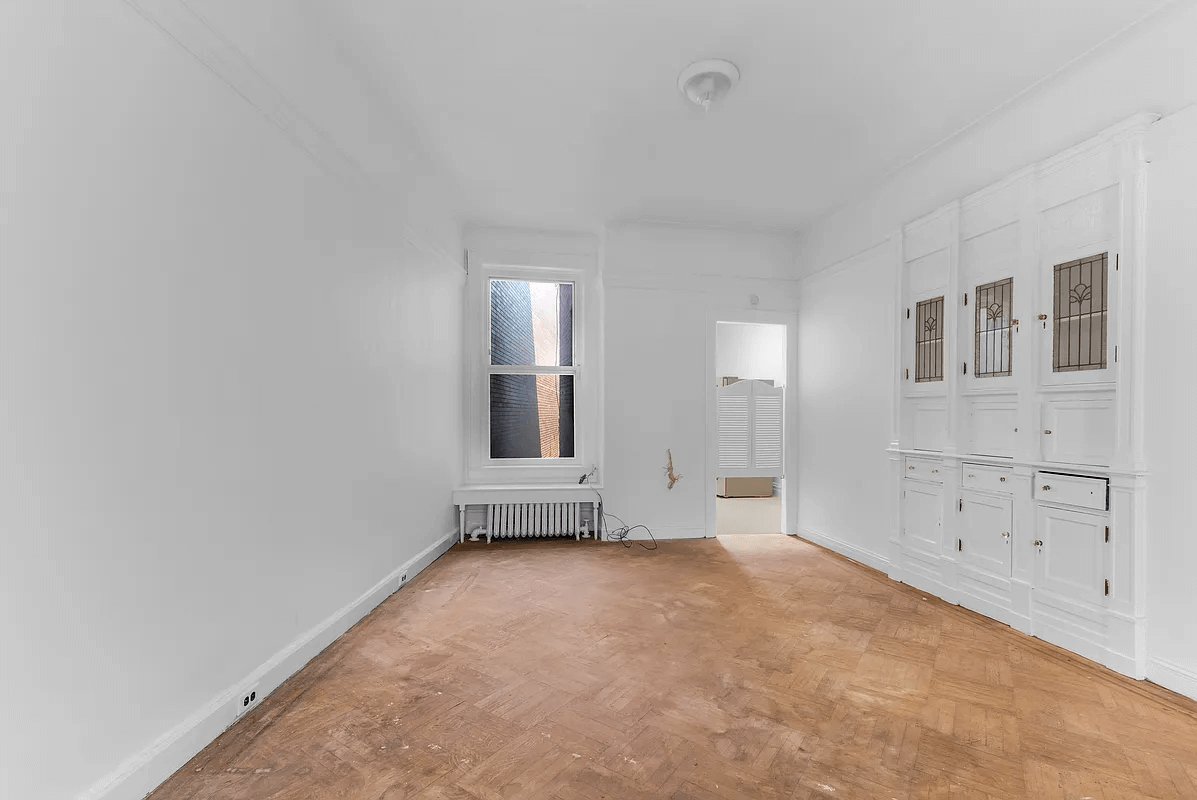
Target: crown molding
[[183, 25]]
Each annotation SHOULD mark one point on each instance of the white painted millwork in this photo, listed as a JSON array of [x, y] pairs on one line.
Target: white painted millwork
[[985, 531], [1072, 490], [1022, 495], [922, 515], [987, 477], [750, 429]]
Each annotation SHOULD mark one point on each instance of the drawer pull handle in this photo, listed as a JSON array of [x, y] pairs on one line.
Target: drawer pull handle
[[1038, 543], [1045, 488], [1002, 479], [972, 476], [910, 468], [934, 471], [1045, 430]]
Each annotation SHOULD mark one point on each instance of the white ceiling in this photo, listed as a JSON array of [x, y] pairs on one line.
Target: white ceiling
[[566, 113]]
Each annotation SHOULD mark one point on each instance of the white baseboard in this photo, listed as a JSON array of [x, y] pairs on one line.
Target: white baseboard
[[874, 560], [144, 771], [667, 533], [1172, 676]]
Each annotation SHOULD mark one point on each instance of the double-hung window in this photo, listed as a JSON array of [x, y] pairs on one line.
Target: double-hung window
[[533, 362], [531, 370]]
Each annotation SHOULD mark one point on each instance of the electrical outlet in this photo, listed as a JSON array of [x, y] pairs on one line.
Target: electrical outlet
[[247, 700], [403, 579]]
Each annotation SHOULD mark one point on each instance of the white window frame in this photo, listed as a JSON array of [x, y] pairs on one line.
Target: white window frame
[[565, 261], [542, 275]]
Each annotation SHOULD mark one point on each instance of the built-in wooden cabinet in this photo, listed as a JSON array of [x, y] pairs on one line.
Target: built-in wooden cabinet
[[984, 531], [923, 526], [1071, 553], [1019, 403]]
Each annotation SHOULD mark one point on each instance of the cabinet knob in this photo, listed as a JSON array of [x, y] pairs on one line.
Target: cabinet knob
[[1043, 316], [1045, 430], [1038, 543], [1006, 535], [1002, 479], [934, 471], [910, 468], [1045, 488]]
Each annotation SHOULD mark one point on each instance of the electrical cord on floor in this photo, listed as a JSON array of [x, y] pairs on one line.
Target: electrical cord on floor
[[622, 533]]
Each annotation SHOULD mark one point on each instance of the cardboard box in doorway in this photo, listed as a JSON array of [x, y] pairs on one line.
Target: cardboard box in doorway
[[744, 487]]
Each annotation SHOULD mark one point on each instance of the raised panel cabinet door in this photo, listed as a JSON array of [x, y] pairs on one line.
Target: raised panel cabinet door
[[922, 520], [1078, 431], [1071, 560], [985, 532]]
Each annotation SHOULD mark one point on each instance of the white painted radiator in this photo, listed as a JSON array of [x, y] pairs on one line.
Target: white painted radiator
[[533, 520], [526, 512]]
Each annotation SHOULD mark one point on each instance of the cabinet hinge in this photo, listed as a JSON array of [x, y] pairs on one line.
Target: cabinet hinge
[[960, 504], [1117, 256], [1107, 534], [1107, 587], [908, 313], [965, 367], [960, 546], [966, 298], [1115, 354], [907, 374]]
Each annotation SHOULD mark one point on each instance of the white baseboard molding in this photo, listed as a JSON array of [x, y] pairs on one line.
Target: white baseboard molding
[[146, 770], [1172, 676], [874, 560], [667, 533]]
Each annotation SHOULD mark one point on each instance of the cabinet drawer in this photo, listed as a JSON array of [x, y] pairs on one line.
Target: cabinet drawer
[[924, 469], [984, 476], [1072, 490]]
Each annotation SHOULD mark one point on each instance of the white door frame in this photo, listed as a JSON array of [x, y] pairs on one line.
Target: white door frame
[[789, 510]]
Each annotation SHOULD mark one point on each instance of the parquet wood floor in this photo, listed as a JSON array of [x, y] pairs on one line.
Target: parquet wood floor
[[714, 669]]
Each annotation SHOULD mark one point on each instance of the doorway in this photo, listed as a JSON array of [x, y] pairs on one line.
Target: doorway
[[750, 376]]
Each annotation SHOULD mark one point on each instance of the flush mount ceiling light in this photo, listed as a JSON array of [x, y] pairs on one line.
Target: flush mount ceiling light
[[705, 83]]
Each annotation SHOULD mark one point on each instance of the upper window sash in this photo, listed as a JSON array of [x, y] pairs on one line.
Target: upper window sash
[[530, 323]]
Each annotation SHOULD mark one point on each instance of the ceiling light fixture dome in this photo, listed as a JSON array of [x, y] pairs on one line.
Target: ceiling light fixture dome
[[706, 82]]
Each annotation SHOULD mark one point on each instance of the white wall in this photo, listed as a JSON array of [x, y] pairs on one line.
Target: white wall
[[1171, 387], [747, 350], [661, 283], [1148, 69], [845, 405], [302, 48], [230, 401]]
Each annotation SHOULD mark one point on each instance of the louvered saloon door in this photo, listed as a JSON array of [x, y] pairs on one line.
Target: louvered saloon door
[[750, 430]]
